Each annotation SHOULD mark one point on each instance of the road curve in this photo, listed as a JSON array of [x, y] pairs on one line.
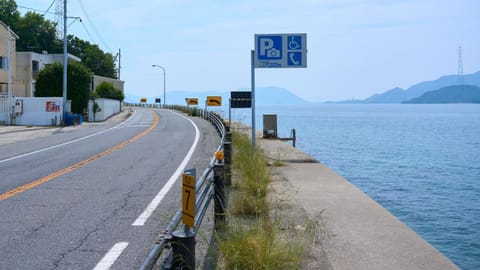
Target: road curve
[[83, 218]]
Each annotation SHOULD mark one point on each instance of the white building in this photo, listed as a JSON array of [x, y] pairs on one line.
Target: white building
[[29, 65]]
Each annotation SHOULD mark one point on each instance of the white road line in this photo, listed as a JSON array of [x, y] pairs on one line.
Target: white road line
[[62, 144], [111, 256], [140, 221]]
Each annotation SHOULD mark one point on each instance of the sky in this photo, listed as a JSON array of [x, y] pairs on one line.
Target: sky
[[355, 48]]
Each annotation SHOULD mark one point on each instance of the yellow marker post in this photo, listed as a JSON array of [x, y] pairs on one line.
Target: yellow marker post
[[188, 200]]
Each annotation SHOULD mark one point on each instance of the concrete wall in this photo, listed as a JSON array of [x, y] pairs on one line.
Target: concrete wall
[[96, 80], [108, 107], [44, 111]]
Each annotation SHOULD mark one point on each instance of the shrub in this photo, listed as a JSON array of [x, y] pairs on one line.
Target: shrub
[[50, 84], [107, 90]]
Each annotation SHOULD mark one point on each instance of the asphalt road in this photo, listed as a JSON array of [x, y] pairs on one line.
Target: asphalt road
[[72, 200]]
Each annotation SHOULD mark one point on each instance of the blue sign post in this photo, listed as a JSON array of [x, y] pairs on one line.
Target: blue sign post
[[276, 51]]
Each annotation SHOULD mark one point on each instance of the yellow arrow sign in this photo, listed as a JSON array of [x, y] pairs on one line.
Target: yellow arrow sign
[[214, 101], [192, 101], [188, 200]]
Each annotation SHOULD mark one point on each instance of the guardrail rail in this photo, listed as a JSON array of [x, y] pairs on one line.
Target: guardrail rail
[[175, 249]]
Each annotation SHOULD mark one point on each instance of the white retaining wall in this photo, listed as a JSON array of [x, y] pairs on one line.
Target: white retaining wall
[[108, 107], [39, 111]]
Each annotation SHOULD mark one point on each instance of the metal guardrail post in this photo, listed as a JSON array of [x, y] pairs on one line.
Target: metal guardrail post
[[183, 247], [227, 150], [220, 195]]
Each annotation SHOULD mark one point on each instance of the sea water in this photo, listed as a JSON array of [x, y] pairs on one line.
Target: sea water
[[420, 162]]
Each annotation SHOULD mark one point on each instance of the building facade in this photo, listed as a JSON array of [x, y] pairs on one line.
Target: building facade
[[7, 44], [29, 65]]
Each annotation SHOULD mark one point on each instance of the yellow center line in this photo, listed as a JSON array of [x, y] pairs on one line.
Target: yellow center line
[[56, 174]]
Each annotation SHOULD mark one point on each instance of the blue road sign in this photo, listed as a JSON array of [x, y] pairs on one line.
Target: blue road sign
[[281, 50]]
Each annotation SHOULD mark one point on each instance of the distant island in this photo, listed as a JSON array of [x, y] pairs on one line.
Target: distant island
[[465, 93], [449, 94]]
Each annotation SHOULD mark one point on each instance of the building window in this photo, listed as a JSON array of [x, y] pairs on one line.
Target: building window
[[35, 66], [3, 62]]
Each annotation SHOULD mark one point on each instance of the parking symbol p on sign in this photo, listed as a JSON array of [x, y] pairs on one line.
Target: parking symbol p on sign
[[270, 47]]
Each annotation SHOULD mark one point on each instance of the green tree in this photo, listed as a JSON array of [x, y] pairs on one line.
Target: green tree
[[49, 84], [9, 13], [37, 34], [99, 62], [107, 90]]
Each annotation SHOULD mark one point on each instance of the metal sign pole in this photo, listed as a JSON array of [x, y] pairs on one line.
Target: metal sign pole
[[253, 97], [229, 113]]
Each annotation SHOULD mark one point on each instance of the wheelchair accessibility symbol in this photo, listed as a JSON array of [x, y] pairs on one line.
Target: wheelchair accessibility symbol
[[294, 43], [294, 51]]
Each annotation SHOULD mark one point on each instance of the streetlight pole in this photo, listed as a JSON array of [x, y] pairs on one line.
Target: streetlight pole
[[164, 82]]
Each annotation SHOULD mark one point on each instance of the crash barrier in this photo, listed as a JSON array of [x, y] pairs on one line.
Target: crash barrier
[[175, 248]]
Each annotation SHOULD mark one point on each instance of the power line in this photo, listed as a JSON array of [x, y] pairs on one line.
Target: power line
[[93, 26], [88, 33], [48, 9], [37, 10]]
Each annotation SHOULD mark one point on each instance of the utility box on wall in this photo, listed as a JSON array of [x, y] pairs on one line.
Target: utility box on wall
[[18, 107]]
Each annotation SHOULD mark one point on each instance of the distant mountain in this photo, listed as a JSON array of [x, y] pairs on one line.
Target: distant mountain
[[263, 96], [391, 96], [398, 95], [449, 94], [276, 96]]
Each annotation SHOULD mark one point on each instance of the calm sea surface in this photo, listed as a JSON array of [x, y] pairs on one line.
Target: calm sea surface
[[420, 162]]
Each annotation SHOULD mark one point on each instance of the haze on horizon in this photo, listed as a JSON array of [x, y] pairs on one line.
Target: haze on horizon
[[355, 48]]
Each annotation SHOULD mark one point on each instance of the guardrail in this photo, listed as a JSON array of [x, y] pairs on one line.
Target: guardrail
[[176, 249]]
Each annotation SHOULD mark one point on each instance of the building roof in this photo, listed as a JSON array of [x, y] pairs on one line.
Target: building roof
[[9, 29]]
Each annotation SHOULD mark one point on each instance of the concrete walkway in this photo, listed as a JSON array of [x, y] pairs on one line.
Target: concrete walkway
[[355, 231]]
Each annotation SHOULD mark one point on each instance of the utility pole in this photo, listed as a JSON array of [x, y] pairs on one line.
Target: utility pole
[[119, 55], [65, 58], [9, 59]]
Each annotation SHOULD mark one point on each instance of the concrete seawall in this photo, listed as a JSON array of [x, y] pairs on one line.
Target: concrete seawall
[[356, 232]]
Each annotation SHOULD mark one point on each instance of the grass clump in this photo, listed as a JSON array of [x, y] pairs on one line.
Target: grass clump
[[255, 237], [259, 246], [250, 198]]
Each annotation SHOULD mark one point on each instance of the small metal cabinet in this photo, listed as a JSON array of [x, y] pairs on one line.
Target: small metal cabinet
[[270, 126], [18, 108]]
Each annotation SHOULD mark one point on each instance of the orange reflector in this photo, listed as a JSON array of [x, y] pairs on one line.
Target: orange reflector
[[219, 155]]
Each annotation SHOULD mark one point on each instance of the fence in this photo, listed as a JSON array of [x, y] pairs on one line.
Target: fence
[[176, 249], [3, 109]]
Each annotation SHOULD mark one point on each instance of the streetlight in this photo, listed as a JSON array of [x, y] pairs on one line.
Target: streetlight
[[164, 79]]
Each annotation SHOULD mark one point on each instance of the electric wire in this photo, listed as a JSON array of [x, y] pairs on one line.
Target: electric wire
[[48, 9], [37, 10], [88, 33], [82, 6]]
